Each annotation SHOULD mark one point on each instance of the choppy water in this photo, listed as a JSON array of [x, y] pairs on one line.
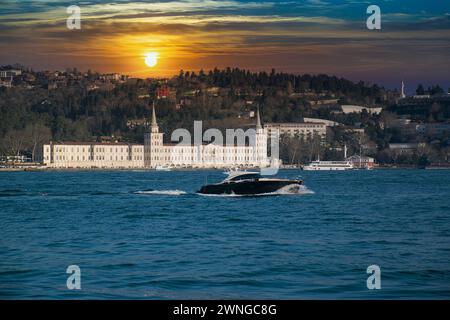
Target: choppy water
[[131, 242]]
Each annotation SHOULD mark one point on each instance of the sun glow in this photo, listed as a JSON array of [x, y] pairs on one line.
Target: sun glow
[[151, 59]]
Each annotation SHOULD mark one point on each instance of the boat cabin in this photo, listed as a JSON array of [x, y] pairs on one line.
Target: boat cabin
[[240, 176]]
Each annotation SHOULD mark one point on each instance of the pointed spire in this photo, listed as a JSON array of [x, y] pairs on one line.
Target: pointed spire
[[258, 119], [154, 124]]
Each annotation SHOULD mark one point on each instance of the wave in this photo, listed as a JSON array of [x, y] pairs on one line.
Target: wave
[[163, 192], [102, 193], [297, 191], [12, 193]]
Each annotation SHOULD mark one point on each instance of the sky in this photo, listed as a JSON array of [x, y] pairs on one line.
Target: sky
[[304, 36]]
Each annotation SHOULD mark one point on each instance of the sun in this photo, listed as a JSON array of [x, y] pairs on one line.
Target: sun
[[151, 59]]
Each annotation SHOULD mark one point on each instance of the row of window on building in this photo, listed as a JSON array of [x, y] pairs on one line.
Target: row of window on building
[[89, 158], [94, 149], [206, 158]]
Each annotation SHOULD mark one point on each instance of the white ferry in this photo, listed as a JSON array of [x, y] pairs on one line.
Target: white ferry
[[329, 166]]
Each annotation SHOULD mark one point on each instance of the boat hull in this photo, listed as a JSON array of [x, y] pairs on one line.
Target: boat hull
[[250, 187]]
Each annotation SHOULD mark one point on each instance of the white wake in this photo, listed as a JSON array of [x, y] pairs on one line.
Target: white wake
[[163, 192]]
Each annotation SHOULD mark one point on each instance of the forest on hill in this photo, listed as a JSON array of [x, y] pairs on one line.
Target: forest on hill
[[78, 110], [72, 112]]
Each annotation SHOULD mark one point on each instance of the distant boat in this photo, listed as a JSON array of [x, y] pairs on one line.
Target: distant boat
[[250, 183], [329, 166], [162, 168]]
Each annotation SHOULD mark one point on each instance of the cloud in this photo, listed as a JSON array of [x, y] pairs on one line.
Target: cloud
[[314, 36]]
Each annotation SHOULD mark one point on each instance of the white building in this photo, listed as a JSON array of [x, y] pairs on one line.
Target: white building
[[10, 73], [93, 155], [346, 109], [307, 129], [361, 162], [154, 153], [406, 147]]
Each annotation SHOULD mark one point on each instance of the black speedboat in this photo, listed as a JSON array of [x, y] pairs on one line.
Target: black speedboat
[[250, 183]]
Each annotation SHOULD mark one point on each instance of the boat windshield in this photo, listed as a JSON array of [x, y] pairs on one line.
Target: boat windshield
[[242, 176]]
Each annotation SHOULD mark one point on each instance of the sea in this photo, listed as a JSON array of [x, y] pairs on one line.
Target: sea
[[148, 235]]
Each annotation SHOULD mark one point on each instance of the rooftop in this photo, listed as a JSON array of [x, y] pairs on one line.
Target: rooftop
[[76, 143], [297, 124]]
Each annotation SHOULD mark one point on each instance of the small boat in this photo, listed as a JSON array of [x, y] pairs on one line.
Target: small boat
[[328, 166], [162, 168], [250, 183]]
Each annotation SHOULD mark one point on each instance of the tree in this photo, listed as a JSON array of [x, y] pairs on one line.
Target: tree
[[420, 90], [35, 135], [12, 142], [435, 90]]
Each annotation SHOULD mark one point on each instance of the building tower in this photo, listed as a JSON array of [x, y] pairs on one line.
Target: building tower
[[153, 143], [261, 142], [403, 95]]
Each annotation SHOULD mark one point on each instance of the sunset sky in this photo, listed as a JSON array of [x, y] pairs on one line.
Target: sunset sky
[[315, 36]]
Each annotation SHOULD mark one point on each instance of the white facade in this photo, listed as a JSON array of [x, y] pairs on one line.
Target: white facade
[[154, 153], [10, 73], [303, 128], [346, 109], [361, 162], [93, 155], [329, 123]]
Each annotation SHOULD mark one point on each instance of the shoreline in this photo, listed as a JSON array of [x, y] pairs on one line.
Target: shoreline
[[46, 169]]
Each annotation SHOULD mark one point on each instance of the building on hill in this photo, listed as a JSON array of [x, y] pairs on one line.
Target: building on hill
[[154, 153], [324, 102], [329, 123], [306, 129], [10, 73], [424, 100], [405, 148], [346, 109], [434, 130]]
